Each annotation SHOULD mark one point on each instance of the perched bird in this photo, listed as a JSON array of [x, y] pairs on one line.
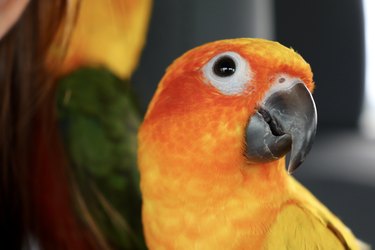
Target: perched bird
[[87, 189], [212, 153]]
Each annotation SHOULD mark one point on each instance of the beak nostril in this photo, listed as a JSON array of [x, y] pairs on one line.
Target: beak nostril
[[281, 80]]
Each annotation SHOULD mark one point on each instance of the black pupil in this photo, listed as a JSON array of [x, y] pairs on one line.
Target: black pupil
[[224, 66]]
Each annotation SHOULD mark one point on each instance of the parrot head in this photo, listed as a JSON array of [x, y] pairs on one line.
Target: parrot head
[[240, 102]]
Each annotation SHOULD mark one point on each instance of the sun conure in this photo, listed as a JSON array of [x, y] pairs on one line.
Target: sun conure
[[212, 153], [93, 200]]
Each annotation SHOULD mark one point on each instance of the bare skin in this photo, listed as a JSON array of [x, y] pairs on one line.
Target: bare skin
[[10, 12]]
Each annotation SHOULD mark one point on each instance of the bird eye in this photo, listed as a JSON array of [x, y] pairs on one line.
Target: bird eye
[[228, 72], [224, 66]]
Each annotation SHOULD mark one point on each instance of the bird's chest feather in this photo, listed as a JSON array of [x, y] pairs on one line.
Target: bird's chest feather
[[234, 221]]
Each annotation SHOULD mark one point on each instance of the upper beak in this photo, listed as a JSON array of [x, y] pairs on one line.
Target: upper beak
[[285, 121]]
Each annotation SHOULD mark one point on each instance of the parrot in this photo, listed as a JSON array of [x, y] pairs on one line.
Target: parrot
[[88, 196], [212, 153]]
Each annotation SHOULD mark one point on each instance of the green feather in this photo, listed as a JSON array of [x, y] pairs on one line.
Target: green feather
[[99, 122]]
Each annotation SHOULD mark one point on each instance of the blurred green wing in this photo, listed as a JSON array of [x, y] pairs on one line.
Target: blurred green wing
[[99, 122]]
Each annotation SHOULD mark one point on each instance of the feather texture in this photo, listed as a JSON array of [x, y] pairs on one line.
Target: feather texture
[[99, 122], [199, 189]]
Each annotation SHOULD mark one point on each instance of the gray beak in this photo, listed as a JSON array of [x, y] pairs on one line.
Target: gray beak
[[285, 121]]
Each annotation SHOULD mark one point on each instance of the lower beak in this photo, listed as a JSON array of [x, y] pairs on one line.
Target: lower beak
[[285, 121]]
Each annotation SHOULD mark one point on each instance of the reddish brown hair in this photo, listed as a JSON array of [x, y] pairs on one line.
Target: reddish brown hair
[[24, 90]]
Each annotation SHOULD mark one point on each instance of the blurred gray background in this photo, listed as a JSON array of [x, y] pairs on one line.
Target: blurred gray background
[[340, 170]]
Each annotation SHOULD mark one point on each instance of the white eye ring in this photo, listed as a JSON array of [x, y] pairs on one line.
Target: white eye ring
[[228, 72]]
